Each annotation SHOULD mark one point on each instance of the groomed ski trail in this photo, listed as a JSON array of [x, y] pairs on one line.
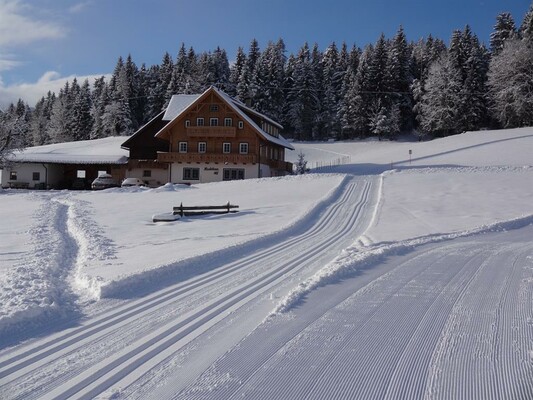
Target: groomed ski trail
[[119, 347]]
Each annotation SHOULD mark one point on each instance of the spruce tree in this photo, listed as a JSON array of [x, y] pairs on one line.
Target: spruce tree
[[526, 29], [236, 71], [503, 30]]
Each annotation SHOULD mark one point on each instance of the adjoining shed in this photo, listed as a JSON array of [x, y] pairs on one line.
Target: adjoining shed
[[72, 165]]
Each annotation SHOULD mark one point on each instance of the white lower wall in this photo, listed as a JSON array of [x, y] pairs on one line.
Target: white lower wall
[[215, 172], [25, 175], [159, 176]]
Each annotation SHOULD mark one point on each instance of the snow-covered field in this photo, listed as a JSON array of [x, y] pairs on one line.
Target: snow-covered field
[[394, 270]]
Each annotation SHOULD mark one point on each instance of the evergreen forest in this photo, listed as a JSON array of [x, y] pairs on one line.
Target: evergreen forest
[[386, 88]]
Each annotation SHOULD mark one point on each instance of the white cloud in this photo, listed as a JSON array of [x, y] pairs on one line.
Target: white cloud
[[7, 64], [31, 93], [18, 27], [78, 8]]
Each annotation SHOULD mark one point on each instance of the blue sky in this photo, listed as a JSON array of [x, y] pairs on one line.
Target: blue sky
[[44, 42]]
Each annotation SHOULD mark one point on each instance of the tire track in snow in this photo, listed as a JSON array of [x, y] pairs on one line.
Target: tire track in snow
[[106, 373]]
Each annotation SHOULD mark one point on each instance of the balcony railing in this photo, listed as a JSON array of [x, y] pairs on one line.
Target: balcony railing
[[206, 158], [211, 131], [281, 165]]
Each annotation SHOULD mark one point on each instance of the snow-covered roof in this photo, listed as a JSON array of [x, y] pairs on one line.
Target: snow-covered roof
[[181, 102], [178, 103], [97, 151]]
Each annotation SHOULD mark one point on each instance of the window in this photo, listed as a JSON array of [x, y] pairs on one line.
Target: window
[[36, 176], [191, 174], [213, 108], [202, 147], [241, 124], [182, 147], [226, 148], [147, 173], [81, 173], [213, 121], [13, 175], [228, 122], [199, 122], [243, 148], [231, 174], [187, 123]]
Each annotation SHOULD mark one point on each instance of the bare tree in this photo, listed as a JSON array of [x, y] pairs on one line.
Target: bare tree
[[11, 138]]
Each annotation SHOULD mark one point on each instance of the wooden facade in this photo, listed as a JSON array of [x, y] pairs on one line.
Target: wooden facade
[[216, 133]]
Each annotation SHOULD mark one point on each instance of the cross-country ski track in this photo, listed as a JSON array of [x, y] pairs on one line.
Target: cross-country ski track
[[451, 319]]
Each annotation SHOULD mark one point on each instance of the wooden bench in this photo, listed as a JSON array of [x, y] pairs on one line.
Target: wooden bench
[[203, 210]]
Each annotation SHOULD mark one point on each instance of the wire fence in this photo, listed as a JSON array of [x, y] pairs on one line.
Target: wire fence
[[321, 166]]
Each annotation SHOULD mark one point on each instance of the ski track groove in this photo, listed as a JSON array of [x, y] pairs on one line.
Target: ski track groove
[[484, 286], [365, 387], [72, 341], [337, 350], [244, 365]]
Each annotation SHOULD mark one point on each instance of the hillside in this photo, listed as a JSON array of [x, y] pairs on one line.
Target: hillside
[[392, 270]]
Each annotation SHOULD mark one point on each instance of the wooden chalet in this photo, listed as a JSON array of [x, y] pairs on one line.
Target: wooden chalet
[[207, 137]]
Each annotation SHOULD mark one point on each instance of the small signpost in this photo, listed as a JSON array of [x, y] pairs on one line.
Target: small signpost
[[410, 153]]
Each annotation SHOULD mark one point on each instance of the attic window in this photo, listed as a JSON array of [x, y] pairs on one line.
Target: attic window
[[187, 123], [241, 124], [214, 108]]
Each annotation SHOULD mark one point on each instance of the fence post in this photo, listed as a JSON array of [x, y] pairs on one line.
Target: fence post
[[181, 209]]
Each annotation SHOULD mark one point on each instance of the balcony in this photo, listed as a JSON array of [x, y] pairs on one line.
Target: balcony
[[206, 158], [211, 131], [281, 165]]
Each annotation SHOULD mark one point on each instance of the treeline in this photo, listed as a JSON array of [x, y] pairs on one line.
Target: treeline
[[386, 88]]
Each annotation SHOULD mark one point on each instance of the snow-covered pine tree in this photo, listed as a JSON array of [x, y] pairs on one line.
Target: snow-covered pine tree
[[354, 111], [302, 97], [221, 68], [159, 96], [384, 122], [400, 77], [60, 126], [504, 29], [100, 99], [153, 94], [288, 85], [82, 120], [301, 164], [510, 82], [332, 76], [244, 92], [235, 71], [440, 107], [526, 28], [267, 82]]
